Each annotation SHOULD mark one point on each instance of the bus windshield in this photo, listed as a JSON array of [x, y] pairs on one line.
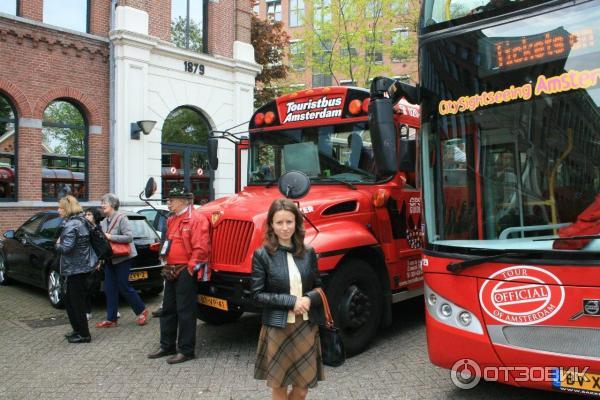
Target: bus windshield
[[325, 153], [445, 12], [511, 134]]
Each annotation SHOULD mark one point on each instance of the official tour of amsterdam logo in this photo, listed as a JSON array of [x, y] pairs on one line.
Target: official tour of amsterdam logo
[[522, 295]]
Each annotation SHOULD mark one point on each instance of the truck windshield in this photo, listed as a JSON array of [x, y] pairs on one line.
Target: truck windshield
[[327, 154], [512, 139]]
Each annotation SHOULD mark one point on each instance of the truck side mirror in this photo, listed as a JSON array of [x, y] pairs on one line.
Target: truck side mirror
[[383, 135], [150, 188], [213, 160], [10, 234]]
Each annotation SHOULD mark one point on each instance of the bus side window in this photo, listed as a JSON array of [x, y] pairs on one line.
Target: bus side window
[[407, 160]]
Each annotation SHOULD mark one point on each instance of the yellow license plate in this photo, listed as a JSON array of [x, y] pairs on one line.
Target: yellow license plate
[[138, 275], [213, 302], [578, 382]]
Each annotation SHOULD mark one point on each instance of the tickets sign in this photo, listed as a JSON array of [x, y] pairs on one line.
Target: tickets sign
[[522, 295]]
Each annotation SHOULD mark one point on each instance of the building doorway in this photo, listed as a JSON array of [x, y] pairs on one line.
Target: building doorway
[[184, 154]]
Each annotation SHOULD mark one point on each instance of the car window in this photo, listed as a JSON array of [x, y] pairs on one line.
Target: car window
[[50, 228], [32, 224], [142, 229], [149, 214]]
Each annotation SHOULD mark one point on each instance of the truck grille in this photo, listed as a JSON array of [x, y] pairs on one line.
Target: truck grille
[[231, 239], [582, 342]]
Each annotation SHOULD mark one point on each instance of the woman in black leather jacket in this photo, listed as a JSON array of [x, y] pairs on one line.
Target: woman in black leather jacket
[[284, 276], [77, 259]]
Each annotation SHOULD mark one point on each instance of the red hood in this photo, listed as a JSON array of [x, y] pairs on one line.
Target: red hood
[[251, 206]]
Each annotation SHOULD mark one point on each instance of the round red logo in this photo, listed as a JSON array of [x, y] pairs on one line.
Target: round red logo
[[522, 295]]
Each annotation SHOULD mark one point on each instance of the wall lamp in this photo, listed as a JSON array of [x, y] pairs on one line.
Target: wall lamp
[[141, 126]]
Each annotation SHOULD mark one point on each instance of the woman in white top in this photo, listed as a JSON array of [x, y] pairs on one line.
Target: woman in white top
[[284, 276]]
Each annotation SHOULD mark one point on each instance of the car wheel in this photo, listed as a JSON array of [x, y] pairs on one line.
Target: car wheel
[[354, 295], [215, 316], [3, 278], [55, 285]]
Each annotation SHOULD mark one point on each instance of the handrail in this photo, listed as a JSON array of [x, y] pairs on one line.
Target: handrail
[[504, 234]]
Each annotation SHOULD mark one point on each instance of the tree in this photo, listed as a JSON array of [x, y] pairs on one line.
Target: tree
[[353, 38], [270, 42]]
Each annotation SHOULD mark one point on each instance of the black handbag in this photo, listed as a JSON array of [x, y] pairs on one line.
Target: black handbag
[[332, 346]]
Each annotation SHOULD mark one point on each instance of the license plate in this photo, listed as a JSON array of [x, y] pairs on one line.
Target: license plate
[[577, 382], [138, 275], [213, 302]]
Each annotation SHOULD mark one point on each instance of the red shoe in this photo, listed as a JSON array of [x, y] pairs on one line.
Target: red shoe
[[107, 324], [142, 319]]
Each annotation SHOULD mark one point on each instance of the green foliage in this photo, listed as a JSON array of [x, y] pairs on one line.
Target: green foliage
[[270, 42], [64, 129], [185, 125], [178, 34], [353, 38]]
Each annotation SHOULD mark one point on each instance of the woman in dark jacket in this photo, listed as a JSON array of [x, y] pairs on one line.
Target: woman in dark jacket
[[284, 276], [77, 259]]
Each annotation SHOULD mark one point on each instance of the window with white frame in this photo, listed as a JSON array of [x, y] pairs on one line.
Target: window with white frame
[[297, 56], [399, 44], [274, 10], [296, 13], [321, 12]]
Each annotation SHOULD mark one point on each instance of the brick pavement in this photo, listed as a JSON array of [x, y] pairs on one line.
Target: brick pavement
[[38, 363]]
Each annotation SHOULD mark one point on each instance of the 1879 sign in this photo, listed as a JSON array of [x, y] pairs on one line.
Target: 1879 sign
[[193, 68]]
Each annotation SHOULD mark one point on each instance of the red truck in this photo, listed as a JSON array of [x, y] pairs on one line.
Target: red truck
[[363, 214]]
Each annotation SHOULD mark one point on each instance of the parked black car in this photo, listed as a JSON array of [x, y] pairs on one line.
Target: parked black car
[[27, 255], [157, 218]]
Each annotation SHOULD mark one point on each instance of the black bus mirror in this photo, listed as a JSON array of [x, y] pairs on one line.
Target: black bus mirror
[[213, 160], [150, 188], [383, 135], [294, 184]]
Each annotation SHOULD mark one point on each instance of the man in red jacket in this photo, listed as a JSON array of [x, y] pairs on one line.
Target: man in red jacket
[[186, 251]]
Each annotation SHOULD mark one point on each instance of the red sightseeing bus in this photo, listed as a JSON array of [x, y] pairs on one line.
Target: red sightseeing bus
[[510, 150], [362, 218]]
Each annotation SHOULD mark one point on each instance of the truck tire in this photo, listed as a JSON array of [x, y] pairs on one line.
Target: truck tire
[[354, 294], [214, 316]]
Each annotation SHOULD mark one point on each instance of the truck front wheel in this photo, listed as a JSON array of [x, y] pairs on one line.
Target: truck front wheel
[[214, 316], [354, 294]]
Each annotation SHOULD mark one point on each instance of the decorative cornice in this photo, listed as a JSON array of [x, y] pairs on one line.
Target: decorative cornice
[[38, 35]]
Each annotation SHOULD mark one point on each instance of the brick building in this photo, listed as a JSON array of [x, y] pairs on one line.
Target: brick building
[[76, 78], [399, 20]]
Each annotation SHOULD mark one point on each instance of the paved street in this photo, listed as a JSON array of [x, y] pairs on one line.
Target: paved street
[[38, 363]]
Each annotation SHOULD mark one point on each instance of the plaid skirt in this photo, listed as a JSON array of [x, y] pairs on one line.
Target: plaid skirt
[[290, 355]]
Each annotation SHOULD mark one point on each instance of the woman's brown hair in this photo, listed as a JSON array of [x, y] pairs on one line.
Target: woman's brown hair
[[70, 205], [271, 242]]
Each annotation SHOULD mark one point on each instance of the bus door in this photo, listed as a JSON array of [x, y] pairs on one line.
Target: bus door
[[404, 209]]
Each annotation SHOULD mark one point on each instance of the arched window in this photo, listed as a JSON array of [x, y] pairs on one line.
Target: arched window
[[8, 144], [64, 147], [184, 153]]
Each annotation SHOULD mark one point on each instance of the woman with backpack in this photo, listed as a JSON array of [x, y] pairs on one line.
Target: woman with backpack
[[118, 231], [77, 259]]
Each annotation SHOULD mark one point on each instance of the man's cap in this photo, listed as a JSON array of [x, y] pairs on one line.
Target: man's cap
[[180, 192]]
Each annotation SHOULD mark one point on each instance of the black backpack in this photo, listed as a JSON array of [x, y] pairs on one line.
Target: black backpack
[[98, 240]]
